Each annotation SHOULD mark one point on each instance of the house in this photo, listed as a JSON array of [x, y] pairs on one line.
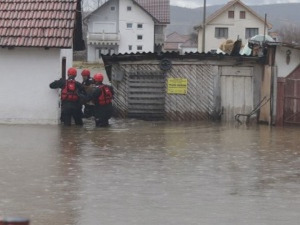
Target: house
[[179, 43], [233, 21], [174, 41], [36, 42], [126, 26], [189, 46]]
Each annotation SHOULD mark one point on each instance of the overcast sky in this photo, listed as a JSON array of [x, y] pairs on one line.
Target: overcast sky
[[199, 3]]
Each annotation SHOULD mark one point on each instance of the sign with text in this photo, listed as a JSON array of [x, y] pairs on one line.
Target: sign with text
[[177, 86]]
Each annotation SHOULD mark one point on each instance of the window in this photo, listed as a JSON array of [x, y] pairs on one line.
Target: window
[[140, 37], [129, 25], [139, 47], [250, 32], [242, 15], [112, 8], [221, 32], [129, 8], [230, 14], [140, 26], [130, 47]]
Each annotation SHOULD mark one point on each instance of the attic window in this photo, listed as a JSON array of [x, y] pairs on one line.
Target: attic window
[[128, 8], [242, 15], [231, 14], [112, 8]]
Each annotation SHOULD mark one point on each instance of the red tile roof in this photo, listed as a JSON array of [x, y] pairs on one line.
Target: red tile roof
[[159, 9], [37, 23]]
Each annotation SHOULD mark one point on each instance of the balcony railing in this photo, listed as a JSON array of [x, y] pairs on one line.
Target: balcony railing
[[103, 38]]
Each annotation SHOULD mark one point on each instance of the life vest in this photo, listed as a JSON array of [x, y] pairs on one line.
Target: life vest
[[68, 93], [106, 95]]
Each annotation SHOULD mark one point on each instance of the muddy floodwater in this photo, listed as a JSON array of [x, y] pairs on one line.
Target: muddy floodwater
[[151, 173]]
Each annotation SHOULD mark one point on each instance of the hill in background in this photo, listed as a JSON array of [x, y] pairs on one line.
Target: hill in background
[[184, 19]]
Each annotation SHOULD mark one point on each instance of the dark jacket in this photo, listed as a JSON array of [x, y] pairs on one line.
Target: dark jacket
[[61, 84]]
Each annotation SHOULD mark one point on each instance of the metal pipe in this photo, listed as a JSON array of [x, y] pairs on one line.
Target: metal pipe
[[203, 29]]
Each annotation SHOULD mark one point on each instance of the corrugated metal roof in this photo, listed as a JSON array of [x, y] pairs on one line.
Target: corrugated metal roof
[[159, 9], [37, 23]]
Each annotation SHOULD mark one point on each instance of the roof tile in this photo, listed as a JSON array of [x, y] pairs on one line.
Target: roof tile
[[159, 9], [37, 23]]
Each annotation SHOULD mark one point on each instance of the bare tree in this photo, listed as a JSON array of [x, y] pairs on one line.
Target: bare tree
[[290, 34], [194, 37], [90, 5]]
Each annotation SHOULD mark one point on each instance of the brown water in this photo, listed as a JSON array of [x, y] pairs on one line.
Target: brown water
[[151, 173]]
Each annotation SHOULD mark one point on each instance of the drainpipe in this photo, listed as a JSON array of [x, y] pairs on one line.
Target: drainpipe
[[203, 30]]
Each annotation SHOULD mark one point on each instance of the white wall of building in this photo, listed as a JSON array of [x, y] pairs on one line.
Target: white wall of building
[[25, 96], [236, 28], [129, 36], [104, 19], [188, 49], [284, 68]]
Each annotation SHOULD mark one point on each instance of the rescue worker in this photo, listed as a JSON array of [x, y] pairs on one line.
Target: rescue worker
[[71, 90], [88, 85], [102, 97]]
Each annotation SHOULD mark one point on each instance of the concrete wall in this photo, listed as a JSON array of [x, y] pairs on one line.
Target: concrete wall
[[129, 36], [236, 28], [284, 68], [104, 16], [116, 22], [24, 89], [103, 19]]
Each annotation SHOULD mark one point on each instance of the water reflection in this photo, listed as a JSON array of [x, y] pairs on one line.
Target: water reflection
[[138, 172]]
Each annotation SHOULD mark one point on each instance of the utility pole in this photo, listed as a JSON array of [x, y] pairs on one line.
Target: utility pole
[[203, 28]]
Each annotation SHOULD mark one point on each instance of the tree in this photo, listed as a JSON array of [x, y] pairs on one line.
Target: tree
[[290, 34], [91, 5]]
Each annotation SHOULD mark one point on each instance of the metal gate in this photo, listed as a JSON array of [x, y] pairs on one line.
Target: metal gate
[[292, 101]]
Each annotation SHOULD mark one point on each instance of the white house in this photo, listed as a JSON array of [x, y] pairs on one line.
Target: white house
[[36, 48], [126, 26], [233, 21]]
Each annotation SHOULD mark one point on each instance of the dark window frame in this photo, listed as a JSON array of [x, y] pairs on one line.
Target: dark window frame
[[250, 32], [242, 14], [221, 32], [231, 14]]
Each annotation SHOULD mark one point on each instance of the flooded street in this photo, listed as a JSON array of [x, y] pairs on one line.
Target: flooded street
[[151, 173]]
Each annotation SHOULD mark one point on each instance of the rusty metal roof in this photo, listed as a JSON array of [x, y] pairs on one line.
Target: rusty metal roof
[[159, 9], [37, 23]]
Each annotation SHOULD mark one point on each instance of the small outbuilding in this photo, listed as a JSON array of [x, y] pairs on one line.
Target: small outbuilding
[[36, 40], [194, 86]]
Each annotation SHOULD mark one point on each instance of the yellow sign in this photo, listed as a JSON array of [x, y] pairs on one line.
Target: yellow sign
[[177, 86]]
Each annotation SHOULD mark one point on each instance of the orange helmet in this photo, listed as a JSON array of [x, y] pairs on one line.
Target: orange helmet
[[98, 77], [85, 73], [72, 72]]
